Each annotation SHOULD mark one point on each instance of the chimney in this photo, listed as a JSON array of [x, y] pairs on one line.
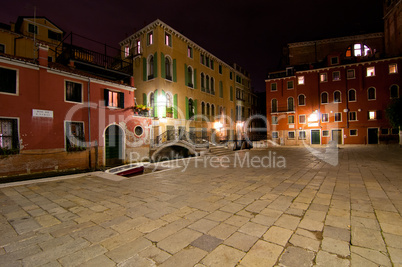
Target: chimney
[[132, 81], [43, 55]]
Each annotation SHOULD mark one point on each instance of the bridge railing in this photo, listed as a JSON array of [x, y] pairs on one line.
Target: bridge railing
[[171, 136]]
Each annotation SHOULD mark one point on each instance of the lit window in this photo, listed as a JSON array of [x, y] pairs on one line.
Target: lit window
[[336, 76], [353, 132], [138, 47], [168, 39], [302, 135], [324, 98], [372, 115], [323, 77], [190, 52], [150, 38], [275, 135], [393, 68], [338, 117], [290, 85], [325, 117], [126, 51], [351, 73], [370, 71], [115, 99], [352, 116], [371, 93], [291, 119], [291, 135], [302, 119], [300, 80], [358, 50], [302, 100], [337, 97], [325, 133], [352, 95], [273, 87], [394, 91]]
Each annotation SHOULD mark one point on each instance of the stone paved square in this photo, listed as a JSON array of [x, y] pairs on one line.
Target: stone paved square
[[237, 215]]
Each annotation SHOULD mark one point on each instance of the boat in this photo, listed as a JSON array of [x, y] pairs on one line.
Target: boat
[[127, 170]]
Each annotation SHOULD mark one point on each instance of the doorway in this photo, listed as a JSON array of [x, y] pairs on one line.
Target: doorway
[[372, 135], [337, 136], [114, 140], [315, 137]]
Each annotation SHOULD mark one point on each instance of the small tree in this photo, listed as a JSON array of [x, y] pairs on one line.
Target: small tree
[[394, 115]]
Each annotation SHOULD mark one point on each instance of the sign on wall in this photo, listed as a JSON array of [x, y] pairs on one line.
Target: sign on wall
[[42, 113]]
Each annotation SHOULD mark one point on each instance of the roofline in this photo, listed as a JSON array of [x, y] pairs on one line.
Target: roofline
[[21, 18]]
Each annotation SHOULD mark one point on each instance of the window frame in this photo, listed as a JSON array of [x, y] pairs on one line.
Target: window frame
[[325, 133], [275, 135], [396, 68], [370, 71], [326, 116], [274, 120], [291, 119], [289, 135], [336, 100], [355, 96], [368, 94], [272, 87], [168, 39], [336, 79], [150, 38], [350, 132], [302, 135], [16, 81], [291, 82], [321, 99], [65, 92], [190, 52], [15, 137], [300, 80], [68, 147], [352, 117], [339, 115], [272, 105], [302, 116], [323, 77], [350, 71], [304, 100], [397, 91]]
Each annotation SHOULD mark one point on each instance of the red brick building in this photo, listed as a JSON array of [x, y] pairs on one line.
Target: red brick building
[[335, 89]]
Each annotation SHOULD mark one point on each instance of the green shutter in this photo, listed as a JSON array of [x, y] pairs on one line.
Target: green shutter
[[185, 74], [175, 107], [195, 107], [187, 115], [155, 65], [121, 100], [144, 69], [162, 109], [163, 71], [195, 78], [156, 103], [174, 71], [144, 99]]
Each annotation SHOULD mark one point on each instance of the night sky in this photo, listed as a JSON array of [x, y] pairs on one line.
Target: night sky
[[250, 33]]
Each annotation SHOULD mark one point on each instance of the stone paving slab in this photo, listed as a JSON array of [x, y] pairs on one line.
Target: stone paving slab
[[304, 212]]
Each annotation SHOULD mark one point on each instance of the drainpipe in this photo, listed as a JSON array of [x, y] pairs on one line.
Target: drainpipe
[[89, 124]]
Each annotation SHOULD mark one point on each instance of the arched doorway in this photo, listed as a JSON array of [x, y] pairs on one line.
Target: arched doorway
[[114, 141]]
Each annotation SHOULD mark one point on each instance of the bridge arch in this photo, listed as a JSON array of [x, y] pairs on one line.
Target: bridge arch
[[181, 148]]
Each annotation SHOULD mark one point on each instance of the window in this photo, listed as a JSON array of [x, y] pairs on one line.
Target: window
[[202, 59], [212, 64], [358, 50], [150, 38], [207, 83], [73, 92], [273, 87], [350, 74], [338, 117], [231, 75], [384, 131], [300, 80], [202, 82], [392, 68], [371, 93], [151, 67], [370, 71], [291, 135], [337, 97], [8, 81], [302, 100], [274, 105], [325, 117], [394, 131], [168, 68], [220, 69], [324, 98], [220, 89], [323, 77], [212, 110], [137, 47], [372, 115], [334, 60], [352, 95], [336, 76], [202, 108], [275, 135], [208, 113], [231, 93], [189, 51], [32, 28], [9, 141], [290, 85], [302, 135], [352, 116], [2, 48], [169, 100], [191, 109], [212, 86], [190, 77], [291, 119], [274, 120], [168, 39], [54, 35], [291, 104], [353, 132], [302, 119], [126, 51], [394, 91], [138, 130], [325, 133], [114, 99], [75, 137]]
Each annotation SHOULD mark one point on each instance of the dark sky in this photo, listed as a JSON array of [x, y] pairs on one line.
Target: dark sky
[[250, 33]]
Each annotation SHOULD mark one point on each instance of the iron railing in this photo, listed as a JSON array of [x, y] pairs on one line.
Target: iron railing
[[171, 136]]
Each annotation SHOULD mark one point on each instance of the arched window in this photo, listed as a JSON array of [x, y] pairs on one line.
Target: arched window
[[212, 85], [152, 103], [394, 91], [371, 93], [202, 82], [207, 83], [337, 97], [212, 110], [302, 100], [190, 76], [352, 95], [191, 108], [168, 68], [291, 104], [169, 100], [358, 50], [202, 108], [150, 67], [324, 98], [208, 109], [221, 111], [274, 105]]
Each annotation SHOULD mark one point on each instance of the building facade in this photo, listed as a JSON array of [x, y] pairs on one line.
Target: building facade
[[188, 89]]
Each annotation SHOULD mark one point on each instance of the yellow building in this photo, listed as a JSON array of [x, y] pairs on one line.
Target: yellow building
[[20, 38], [187, 88]]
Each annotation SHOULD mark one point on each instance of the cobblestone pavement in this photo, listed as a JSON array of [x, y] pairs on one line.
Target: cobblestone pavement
[[299, 211]]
